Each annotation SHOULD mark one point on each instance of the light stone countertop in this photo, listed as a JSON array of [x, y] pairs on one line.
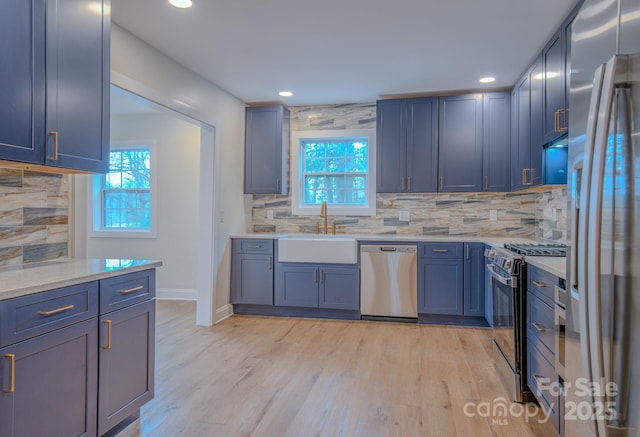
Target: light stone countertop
[[554, 265], [21, 280]]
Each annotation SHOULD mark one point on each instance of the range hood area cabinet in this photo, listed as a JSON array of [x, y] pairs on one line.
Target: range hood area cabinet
[[54, 83], [526, 147], [444, 144], [266, 150]]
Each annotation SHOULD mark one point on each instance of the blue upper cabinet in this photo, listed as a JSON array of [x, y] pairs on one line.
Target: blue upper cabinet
[[265, 152], [496, 159], [407, 145], [391, 145], [526, 147], [78, 66], [554, 107], [22, 80], [534, 175], [55, 83], [422, 145], [460, 143]]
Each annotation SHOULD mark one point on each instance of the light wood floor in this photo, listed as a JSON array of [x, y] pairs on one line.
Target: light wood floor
[[263, 376]]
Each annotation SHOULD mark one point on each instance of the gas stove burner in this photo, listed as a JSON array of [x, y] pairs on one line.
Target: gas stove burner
[[537, 249]]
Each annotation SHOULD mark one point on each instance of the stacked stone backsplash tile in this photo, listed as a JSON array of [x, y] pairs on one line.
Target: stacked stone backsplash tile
[[34, 215], [527, 214]]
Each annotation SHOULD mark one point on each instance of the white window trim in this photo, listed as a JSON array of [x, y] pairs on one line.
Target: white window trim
[[94, 198], [296, 177]]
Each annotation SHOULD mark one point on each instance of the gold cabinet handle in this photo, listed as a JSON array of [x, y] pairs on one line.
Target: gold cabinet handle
[[278, 185], [57, 310], [440, 250], [12, 378], [561, 125], [524, 178], [556, 121], [54, 134], [539, 284], [131, 290], [402, 184], [315, 276], [108, 346], [253, 246], [539, 327], [539, 379], [441, 183], [466, 246], [270, 262], [486, 183], [409, 184]]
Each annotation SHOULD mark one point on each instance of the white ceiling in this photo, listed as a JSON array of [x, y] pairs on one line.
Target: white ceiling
[[342, 51]]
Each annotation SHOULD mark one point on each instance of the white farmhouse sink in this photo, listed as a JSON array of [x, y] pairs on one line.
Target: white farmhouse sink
[[317, 249]]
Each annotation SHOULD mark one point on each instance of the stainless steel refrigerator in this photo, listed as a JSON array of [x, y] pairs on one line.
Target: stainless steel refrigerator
[[602, 333]]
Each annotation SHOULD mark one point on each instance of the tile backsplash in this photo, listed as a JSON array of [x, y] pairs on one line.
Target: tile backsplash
[[34, 216], [538, 213]]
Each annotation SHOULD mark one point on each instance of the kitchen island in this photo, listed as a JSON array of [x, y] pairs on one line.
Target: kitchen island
[[77, 345]]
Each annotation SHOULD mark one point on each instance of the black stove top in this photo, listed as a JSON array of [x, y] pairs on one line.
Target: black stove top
[[537, 249]]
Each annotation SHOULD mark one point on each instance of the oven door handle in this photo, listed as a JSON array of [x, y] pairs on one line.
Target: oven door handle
[[509, 282]]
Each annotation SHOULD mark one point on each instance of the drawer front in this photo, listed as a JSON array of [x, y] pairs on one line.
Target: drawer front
[[441, 250], [25, 317], [541, 281], [125, 290], [541, 321], [253, 246], [543, 381]]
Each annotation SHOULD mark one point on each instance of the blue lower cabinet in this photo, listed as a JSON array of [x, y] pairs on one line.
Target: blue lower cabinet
[[296, 285], [54, 384], [126, 363], [440, 286], [340, 288], [252, 272], [474, 268], [317, 286]]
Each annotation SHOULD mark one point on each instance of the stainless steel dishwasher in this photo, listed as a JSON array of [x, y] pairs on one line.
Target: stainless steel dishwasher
[[389, 281]]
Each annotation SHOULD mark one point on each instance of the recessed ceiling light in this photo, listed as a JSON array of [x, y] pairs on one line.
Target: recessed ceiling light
[[488, 79], [182, 4], [285, 93]]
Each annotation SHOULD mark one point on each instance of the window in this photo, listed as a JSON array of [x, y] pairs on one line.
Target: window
[[335, 169], [123, 199]]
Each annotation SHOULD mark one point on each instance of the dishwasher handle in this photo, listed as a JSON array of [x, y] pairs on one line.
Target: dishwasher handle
[[388, 249]]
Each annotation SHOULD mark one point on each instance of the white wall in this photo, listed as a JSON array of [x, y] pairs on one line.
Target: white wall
[[177, 173], [140, 68]]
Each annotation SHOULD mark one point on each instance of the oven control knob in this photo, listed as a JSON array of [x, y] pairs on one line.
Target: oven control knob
[[507, 264]]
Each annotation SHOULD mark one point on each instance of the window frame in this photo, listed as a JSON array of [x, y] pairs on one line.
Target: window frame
[[297, 173], [96, 202]]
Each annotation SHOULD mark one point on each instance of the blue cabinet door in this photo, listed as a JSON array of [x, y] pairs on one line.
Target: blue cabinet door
[[266, 130], [521, 148], [127, 348], [460, 143], [440, 286], [496, 167], [391, 148], [252, 279], [22, 80], [296, 285], [340, 288], [553, 90], [55, 385], [534, 176], [422, 145], [77, 91], [474, 268]]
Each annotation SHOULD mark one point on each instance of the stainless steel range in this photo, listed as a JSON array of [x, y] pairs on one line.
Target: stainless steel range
[[537, 249], [507, 270]]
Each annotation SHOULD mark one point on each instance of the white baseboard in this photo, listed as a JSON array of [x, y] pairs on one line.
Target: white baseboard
[[223, 313], [176, 294]]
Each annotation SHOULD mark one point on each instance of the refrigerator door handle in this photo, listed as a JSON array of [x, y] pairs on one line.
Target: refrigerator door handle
[[579, 248]]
